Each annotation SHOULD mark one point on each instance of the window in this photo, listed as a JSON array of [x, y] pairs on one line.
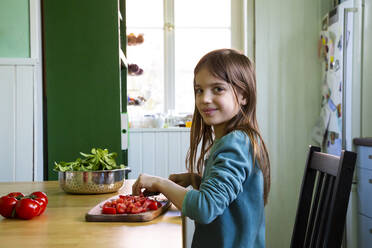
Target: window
[[176, 34]]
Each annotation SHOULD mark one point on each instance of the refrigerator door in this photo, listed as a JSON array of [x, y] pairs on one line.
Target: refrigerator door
[[339, 78]]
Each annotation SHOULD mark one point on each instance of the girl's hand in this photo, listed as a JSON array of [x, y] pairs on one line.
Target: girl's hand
[[150, 183], [174, 192], [186, 179]]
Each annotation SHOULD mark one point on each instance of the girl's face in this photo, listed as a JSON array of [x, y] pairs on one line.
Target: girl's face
[[215, 101]]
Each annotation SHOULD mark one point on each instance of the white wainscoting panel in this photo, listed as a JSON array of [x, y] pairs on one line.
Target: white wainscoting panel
[[17, 122], [24, 122], [157, 152], [7, 105]]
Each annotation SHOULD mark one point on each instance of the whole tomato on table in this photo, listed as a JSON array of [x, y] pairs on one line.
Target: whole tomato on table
[[7, 204], [42, 199], [17, 205]]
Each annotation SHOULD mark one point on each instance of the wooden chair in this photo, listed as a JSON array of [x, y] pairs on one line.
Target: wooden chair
[[323, 202]]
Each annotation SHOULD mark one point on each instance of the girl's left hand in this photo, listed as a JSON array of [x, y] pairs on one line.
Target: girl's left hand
[[147, 182]]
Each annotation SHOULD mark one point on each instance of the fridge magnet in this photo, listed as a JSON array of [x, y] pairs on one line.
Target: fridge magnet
[[333, 136], [334, 144], [337, 65], [322, 45], [331, 105], [339, 44], [338, 110]]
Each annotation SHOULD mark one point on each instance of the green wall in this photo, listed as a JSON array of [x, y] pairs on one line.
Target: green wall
[[82, 78], [14, 29]]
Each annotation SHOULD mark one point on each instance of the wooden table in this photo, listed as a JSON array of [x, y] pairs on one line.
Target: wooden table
[[63, 223]]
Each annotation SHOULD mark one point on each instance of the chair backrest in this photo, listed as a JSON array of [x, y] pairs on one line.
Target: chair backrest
[[324, 197]]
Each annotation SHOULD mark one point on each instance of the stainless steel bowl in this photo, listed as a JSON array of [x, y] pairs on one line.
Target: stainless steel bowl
[[92, 182]]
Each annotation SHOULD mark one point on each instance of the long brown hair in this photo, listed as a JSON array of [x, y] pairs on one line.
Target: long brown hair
[[236, 69]]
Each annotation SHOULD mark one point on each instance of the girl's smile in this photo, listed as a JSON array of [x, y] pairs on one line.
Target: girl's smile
[[209, 111]]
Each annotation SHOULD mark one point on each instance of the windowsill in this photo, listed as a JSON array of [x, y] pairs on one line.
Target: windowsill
[[156, 130]]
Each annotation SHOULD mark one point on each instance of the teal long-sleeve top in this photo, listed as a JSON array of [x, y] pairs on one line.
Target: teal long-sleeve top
[[228, 208]]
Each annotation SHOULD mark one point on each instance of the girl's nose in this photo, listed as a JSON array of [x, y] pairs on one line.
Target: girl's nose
[[206, 97]]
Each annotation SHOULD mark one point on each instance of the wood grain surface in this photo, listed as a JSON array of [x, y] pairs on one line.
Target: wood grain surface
[[63, 223]]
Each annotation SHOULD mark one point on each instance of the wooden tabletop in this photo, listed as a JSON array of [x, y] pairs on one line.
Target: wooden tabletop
[[63, 223]]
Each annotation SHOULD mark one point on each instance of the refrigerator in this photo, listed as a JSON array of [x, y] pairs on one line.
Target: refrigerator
[[335, 50], [343, 45]]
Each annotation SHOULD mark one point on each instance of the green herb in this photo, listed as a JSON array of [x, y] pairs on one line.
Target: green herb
[[98, 160]]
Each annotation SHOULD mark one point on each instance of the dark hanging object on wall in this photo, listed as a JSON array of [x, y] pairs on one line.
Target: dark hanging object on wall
[[134, 70]]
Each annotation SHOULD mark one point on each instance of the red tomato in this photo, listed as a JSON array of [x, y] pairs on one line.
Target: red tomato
[[15, 194], [42, 199], [27, 208], [108, 210], [153, 205], [120, 208], [40, 195], [130, 204], [136, 210], [7, 205], [146, 204], [42, 206]]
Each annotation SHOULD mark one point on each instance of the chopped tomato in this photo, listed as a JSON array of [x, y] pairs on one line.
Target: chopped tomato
[[108, 210], [136, 210], [120, 208], [153, 205], [129, 204]]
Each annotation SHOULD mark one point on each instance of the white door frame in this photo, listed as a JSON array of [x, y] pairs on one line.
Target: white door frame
[[36, 53]]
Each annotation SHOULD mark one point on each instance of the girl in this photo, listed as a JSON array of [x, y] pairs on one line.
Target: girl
[[232, 185]]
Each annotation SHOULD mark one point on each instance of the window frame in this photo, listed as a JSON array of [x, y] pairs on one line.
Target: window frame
[[241, 26]]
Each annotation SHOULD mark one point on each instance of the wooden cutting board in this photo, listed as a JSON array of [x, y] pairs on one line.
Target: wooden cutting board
[[95, 214]]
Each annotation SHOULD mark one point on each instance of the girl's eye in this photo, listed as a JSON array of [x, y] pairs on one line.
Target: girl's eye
[[218, 89], [198, 91]]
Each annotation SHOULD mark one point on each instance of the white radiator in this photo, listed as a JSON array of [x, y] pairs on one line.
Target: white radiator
[[157, 151]]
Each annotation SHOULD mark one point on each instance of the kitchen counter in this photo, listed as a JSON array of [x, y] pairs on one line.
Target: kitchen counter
[[63, 223]]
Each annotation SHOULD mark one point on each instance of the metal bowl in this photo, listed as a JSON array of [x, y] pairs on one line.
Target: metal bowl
[[92, 182]]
